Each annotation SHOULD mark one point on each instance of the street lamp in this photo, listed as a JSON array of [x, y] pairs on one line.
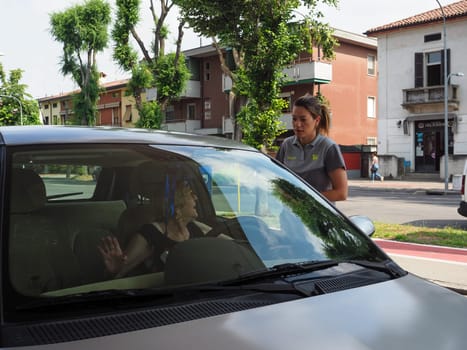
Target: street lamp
[[20, 106], [446, 77]]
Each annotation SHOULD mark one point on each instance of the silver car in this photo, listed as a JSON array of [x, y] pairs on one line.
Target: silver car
[[135, 239]]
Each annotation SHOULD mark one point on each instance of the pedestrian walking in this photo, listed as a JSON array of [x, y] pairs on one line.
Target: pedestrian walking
[[374, 169], [311, 154]]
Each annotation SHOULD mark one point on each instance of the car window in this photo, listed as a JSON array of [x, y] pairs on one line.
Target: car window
[[65, 182], [242, 212]]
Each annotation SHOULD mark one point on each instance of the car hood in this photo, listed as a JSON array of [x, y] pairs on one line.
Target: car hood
[[405, 313]]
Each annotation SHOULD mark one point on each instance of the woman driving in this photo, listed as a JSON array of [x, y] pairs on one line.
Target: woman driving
[[153, 241]]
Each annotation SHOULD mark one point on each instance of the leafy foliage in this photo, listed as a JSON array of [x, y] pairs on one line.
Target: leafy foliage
[[167, 72], [260, 127], [171, 80], [16, 106], [262, 41], [150, 115], [82, 29]]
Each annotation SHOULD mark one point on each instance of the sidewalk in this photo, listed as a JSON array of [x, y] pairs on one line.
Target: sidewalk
[[442, 265], [431, 187]]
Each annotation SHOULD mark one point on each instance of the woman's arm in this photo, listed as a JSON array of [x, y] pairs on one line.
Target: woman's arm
[[137, 251], [120, 263], [339, 183]]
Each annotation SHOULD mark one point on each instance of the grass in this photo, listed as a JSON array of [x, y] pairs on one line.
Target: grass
[[446, 236]]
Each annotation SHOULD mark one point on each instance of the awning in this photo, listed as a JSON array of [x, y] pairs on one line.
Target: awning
[[127, 117]]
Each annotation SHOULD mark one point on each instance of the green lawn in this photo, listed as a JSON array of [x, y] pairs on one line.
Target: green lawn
[[447, 236]]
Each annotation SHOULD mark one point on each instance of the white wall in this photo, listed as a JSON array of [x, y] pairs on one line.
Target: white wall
[[396, 72]]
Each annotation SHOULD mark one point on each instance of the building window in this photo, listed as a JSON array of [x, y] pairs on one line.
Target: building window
[[371, 107], [429, 68], [372, 141], [46, 106], [116, 116], [433, 68], [54, 105], [191, 111], [207, 109], [432, 37], [169, 113], [207, 71], [371, 64]]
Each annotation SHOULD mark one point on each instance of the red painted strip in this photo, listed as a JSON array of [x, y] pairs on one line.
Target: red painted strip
[[423, 251]]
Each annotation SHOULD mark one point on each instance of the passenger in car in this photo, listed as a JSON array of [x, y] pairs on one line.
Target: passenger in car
[[153, 241]]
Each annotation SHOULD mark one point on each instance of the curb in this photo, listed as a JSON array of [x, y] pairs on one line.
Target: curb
[[399, 187]]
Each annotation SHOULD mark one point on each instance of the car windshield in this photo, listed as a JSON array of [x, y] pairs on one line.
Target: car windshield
[[243, 213]]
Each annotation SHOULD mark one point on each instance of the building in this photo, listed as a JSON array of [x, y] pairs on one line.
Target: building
[[411, 105], [349, 82]]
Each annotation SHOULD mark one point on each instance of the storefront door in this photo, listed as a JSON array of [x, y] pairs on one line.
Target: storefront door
[[429, 145]]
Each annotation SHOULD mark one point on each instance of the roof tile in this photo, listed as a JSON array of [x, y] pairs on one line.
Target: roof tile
[[451, 11]]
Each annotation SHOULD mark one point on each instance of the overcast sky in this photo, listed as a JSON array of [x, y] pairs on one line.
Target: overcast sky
[[26, 43]]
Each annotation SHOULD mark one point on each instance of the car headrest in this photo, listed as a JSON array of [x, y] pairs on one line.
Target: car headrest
[[206, 259], [27, 191]]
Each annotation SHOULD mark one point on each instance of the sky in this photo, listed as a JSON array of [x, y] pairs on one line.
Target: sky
[[26, 42]]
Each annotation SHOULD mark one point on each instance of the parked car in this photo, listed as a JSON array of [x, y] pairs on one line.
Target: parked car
[[278, 266], [463, 203]]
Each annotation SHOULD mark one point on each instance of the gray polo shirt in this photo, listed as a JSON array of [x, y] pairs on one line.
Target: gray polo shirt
[[313, 161]]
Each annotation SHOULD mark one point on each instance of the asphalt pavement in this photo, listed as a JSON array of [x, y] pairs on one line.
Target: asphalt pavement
[[442, 265]]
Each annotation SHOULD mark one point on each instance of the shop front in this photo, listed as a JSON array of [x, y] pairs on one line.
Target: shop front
[[429, 144]]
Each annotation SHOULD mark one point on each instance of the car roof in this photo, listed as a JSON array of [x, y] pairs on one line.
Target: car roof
[[40, 134]]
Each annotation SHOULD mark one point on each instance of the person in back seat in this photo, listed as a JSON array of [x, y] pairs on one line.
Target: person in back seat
[[153, 241]]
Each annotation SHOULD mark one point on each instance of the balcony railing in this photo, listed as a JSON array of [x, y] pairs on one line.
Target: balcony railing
[[182, 125], [192, 90], [430, 97], [309, 72]]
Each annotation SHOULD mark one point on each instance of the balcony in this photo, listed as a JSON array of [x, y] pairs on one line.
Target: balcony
[[192, 89], [182, 125], [309, 72], [430, 99]]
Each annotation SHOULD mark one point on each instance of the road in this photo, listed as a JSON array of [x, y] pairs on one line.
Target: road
[[444, 266], [404, 207]]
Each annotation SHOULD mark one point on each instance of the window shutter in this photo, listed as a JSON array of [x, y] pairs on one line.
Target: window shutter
[[418, 69]]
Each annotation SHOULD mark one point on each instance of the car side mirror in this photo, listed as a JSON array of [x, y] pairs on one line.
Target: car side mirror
[[364, 224]]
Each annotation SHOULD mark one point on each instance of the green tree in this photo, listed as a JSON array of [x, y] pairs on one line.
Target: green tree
[[16, 106], [261, 42], [168, 73], [83, 31]]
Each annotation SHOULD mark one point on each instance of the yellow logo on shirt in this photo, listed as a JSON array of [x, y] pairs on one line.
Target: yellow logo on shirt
[[314, 157], [291, 158]]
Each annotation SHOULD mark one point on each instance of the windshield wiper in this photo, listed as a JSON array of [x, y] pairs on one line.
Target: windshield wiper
[[387, 266], [288, 269], [282, 270]]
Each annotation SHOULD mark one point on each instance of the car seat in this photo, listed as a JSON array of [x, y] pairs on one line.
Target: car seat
[[39, 259]]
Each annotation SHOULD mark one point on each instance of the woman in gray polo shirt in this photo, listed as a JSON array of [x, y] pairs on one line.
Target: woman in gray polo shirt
[[311, 154]]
